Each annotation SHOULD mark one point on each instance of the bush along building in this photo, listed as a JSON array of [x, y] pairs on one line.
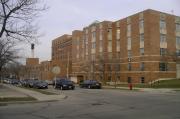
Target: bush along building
[[139, 49]]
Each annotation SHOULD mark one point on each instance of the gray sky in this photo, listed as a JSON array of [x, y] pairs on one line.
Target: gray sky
[[64, 16]]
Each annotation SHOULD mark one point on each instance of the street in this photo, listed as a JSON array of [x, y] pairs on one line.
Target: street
[[99, 104]]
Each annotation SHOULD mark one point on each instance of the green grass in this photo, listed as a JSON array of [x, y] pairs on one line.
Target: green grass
[[117, 88], [175, 83], [10, 99], [40, 91], [167, 84]]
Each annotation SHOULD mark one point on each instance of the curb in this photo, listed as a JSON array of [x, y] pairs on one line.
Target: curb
[[28, 102]]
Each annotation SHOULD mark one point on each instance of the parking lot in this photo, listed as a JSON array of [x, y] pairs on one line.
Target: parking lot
[[99, 104]]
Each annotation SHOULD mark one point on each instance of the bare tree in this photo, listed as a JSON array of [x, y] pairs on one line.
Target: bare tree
[[14, 69], [17, 19], [7, 53], [17, 23]]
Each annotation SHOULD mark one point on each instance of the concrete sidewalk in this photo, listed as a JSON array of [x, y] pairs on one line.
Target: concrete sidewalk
[[6, 92], [160, 90], [36, 95]]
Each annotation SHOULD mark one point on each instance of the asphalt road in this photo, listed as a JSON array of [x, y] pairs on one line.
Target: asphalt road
[[99, 104]]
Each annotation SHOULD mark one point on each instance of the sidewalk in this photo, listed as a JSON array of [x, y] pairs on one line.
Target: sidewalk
[[6, 92], [36, 95], [160, 90]]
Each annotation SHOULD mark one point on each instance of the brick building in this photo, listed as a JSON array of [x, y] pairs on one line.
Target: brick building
[[140, 48], [61, 54]]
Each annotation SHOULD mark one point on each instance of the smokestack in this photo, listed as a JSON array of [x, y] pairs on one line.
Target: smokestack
[[32, 50]]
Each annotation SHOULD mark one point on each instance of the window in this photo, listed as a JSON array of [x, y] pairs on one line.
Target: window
[[141, 24], [162, 66], [162, 24], [86, 39], [162, 51], [142, 66], [177, 20], [129, 28], [177, 52], [100, 46], [93, 56], [93, 45], [178, 41], [128, 20], [109, 46], [129, 67], [141, 37], [118, 34], [178, 27], [162, 38], [94, 35], [141, 51], [118, 45], [118, 24], [162, 16], [129, 53], [142, 80], [129, 43], [109, 34], [129, 80]]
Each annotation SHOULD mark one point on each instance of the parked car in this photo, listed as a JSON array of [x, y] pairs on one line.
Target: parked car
[[63, 84], [40, 84], [14, 81], [90, 84]]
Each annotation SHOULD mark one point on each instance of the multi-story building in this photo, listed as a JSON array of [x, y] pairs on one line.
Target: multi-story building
[[32, 68], [62, 53], [139, 48], [35, 70]]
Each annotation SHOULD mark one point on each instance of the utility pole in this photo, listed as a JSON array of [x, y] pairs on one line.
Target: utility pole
[[67, 68]]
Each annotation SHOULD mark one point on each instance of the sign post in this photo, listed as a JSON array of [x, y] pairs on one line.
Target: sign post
[[56, 70]]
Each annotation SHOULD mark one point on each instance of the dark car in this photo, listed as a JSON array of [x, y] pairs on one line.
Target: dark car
[[40, 84], [15, 81], [63, 84], [90, 84]]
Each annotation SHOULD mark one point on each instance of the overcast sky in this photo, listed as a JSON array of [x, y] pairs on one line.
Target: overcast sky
[[64, 16]]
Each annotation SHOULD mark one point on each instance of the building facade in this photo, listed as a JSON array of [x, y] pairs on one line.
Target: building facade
[[62, 55], [139, 48]]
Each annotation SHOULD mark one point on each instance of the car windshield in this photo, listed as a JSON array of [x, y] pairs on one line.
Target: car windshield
[[67, 81], [90, 81]]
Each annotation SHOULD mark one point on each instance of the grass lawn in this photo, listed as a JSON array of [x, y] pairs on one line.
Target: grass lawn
[[175, 83], [10, 99], [167, 84]]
